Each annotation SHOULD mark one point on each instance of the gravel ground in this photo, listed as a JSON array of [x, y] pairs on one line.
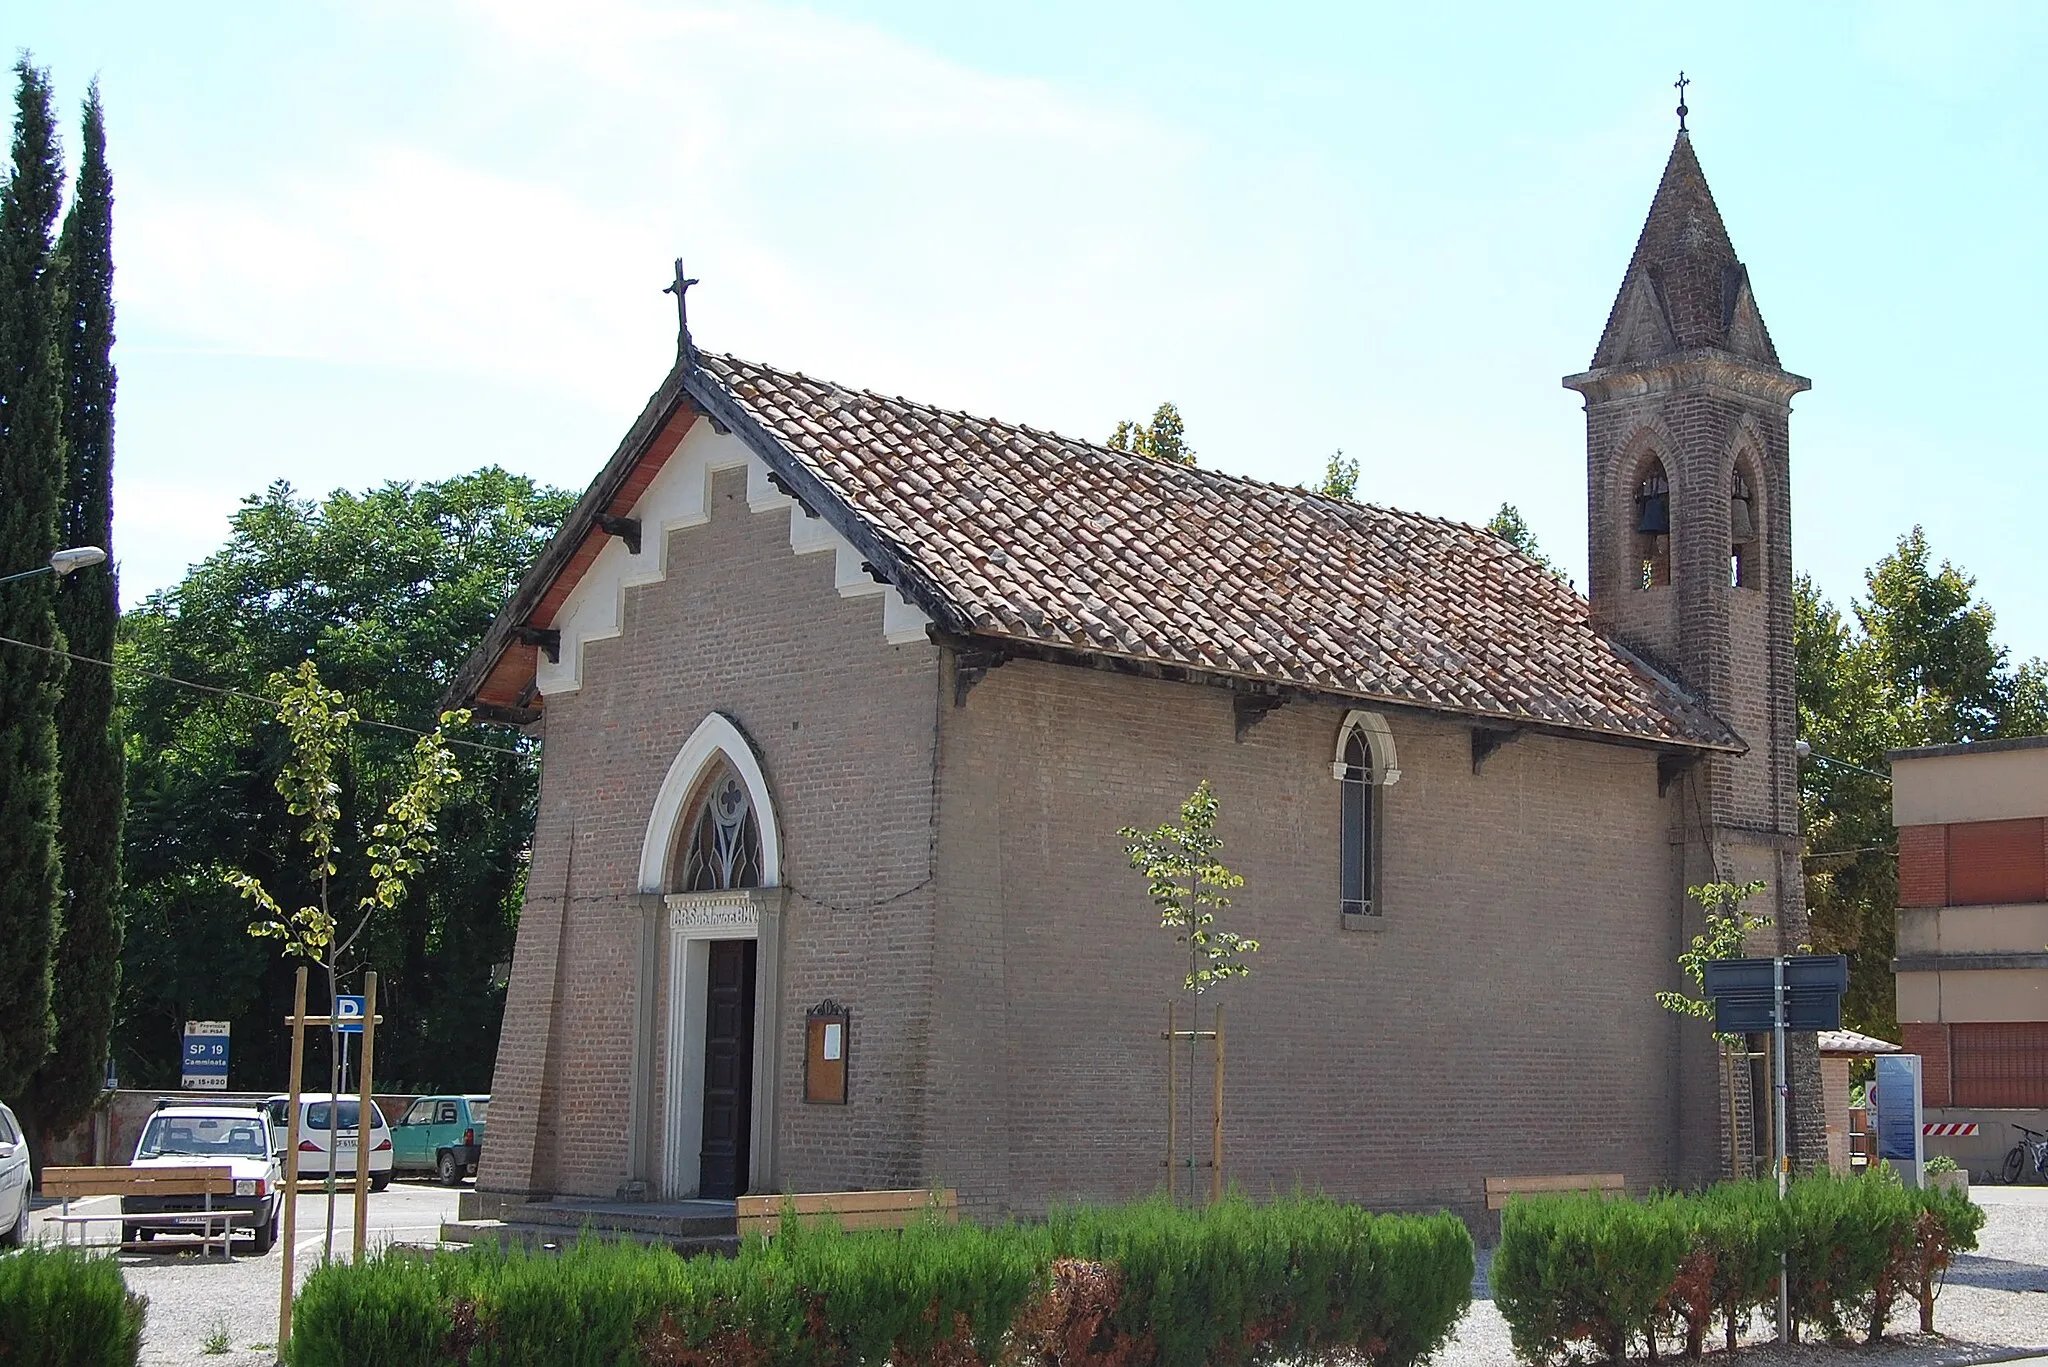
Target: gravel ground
[[1994, 1307], [191, 1296]]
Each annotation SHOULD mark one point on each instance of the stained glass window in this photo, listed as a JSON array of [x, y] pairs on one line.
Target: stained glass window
[[723, 846]]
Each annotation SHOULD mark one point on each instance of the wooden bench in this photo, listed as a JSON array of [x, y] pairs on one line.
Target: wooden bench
[[1500, 1189], [852, 1209], [212, 1226]]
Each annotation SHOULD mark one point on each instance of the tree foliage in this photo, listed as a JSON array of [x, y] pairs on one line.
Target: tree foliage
[[87, 959], [390, 589], [1510, 526], [1727, 928], [1189, 885], [31, 479], [1914, 664], [1340, 477], [1164, 438]]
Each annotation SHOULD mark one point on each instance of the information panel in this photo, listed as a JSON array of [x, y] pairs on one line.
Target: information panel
[[1895, 1103], [206, 1056]]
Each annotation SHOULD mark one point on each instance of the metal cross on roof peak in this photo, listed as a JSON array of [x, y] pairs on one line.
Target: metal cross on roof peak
[[1680, 84], [680, 288]]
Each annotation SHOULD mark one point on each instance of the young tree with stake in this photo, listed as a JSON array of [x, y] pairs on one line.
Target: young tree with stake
[[317, 720], [1189, 885]]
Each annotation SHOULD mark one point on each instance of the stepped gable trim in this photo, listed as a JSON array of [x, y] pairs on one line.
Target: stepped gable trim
[[496, 681]]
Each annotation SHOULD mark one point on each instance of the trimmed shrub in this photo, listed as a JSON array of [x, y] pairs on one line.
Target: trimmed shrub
[[62, 1307], [1577, 1267], [1123, 1287], [1574, 1268]]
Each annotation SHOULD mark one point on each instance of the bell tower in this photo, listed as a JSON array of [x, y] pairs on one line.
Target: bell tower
[[1689, 525]]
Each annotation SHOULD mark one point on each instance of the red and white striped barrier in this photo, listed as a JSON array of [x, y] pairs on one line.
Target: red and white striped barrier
[[1949, 1130]]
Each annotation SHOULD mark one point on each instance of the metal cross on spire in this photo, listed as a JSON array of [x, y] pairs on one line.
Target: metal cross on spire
[[680, 288], [1680, 84]]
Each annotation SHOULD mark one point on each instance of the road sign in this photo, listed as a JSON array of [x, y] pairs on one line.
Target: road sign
[[348, 1015], [1741, 989], [206, 1056]]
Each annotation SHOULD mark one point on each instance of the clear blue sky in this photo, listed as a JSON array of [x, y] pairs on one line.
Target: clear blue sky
[[392, 241]]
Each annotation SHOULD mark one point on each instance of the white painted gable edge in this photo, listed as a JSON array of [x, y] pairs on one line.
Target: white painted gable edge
[[678, 498]]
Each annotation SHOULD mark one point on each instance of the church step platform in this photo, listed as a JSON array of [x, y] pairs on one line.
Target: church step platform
[[686, 1226]]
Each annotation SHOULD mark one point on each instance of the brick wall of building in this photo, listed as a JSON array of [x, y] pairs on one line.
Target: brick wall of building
[[1501, 1022], [842, 722], [1929, 1039]]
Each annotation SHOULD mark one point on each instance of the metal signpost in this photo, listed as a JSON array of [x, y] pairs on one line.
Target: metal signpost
[[206, 1056], [1796, 992]]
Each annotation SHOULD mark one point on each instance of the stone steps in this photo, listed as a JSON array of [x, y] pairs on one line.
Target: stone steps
[[688, 1227]]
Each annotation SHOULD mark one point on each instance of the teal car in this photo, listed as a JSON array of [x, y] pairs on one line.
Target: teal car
[[443, 1135]]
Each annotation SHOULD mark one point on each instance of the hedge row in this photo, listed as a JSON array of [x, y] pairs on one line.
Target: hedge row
[[60, 1307], [1614, 1273], [1135, 1286]]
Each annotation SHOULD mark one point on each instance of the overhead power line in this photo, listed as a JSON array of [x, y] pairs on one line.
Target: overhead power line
[[220, 691]]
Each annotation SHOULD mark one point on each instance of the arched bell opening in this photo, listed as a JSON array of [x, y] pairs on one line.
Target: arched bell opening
[[1651, 559], [1745, 530]]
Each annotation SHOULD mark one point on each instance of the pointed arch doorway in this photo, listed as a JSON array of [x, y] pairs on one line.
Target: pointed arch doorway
[[713, 851]]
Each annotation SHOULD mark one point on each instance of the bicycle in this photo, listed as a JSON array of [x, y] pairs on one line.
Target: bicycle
[[2033, 1144]]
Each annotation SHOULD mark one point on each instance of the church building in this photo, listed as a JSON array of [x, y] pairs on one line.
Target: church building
[[843, 699]]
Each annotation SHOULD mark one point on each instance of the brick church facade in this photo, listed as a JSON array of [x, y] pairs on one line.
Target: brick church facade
[[843, 699]]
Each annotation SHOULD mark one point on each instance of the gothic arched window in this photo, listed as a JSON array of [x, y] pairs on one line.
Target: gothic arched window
[[1745, 530], [1653, 527], [721, 846], [1365, 767]]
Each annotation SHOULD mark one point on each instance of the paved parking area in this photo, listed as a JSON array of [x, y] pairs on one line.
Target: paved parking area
[[193, 1297]]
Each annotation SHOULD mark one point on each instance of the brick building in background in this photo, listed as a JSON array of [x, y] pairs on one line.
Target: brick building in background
[[844, 697], [1972, 960]]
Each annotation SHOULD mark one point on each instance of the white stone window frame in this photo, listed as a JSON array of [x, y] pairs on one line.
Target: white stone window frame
[[1372, 728]]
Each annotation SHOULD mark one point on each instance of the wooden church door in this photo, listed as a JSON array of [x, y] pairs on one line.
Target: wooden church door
[[728, 1070]]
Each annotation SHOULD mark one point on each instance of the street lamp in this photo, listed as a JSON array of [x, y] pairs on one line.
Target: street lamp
[[62, 563]]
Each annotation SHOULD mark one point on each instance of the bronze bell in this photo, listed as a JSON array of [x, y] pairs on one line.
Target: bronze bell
[[1741, 526], [1653, 511]]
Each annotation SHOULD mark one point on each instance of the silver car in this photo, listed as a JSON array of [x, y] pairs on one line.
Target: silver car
[[14, 1181]]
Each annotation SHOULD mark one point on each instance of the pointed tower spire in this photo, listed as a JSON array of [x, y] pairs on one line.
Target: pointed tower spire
[[1684, 288]]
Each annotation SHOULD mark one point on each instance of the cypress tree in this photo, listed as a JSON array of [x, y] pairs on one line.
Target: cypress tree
[[87, 963], [31, 478]]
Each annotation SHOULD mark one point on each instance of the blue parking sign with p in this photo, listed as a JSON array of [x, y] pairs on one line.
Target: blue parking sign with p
[[348, 1014]]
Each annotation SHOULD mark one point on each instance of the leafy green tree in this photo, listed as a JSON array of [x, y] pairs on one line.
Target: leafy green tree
[[1189, 885], [1727, 930], [1340, 477], [390, 589], [31, 477], [1916, 664], [1510, 526], [1164, 438], [320, 725], [87, 960]]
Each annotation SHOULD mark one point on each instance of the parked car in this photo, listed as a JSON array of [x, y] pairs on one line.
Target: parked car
[[443, 1135], [183, 1135], [327, 1135], [14, 1181]]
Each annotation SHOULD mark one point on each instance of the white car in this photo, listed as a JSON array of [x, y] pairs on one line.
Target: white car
[[14, 1181], [183, 1135], [322, 1143]]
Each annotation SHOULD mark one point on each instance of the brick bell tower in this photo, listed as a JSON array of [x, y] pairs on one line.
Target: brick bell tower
[[1689, 524]]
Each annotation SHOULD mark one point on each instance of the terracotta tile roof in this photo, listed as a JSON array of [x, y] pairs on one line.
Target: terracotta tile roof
[[1041, 539]]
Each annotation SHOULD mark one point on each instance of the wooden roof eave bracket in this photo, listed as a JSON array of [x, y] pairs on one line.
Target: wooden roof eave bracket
[[581, 521], [885, 560], [1048, 652]]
